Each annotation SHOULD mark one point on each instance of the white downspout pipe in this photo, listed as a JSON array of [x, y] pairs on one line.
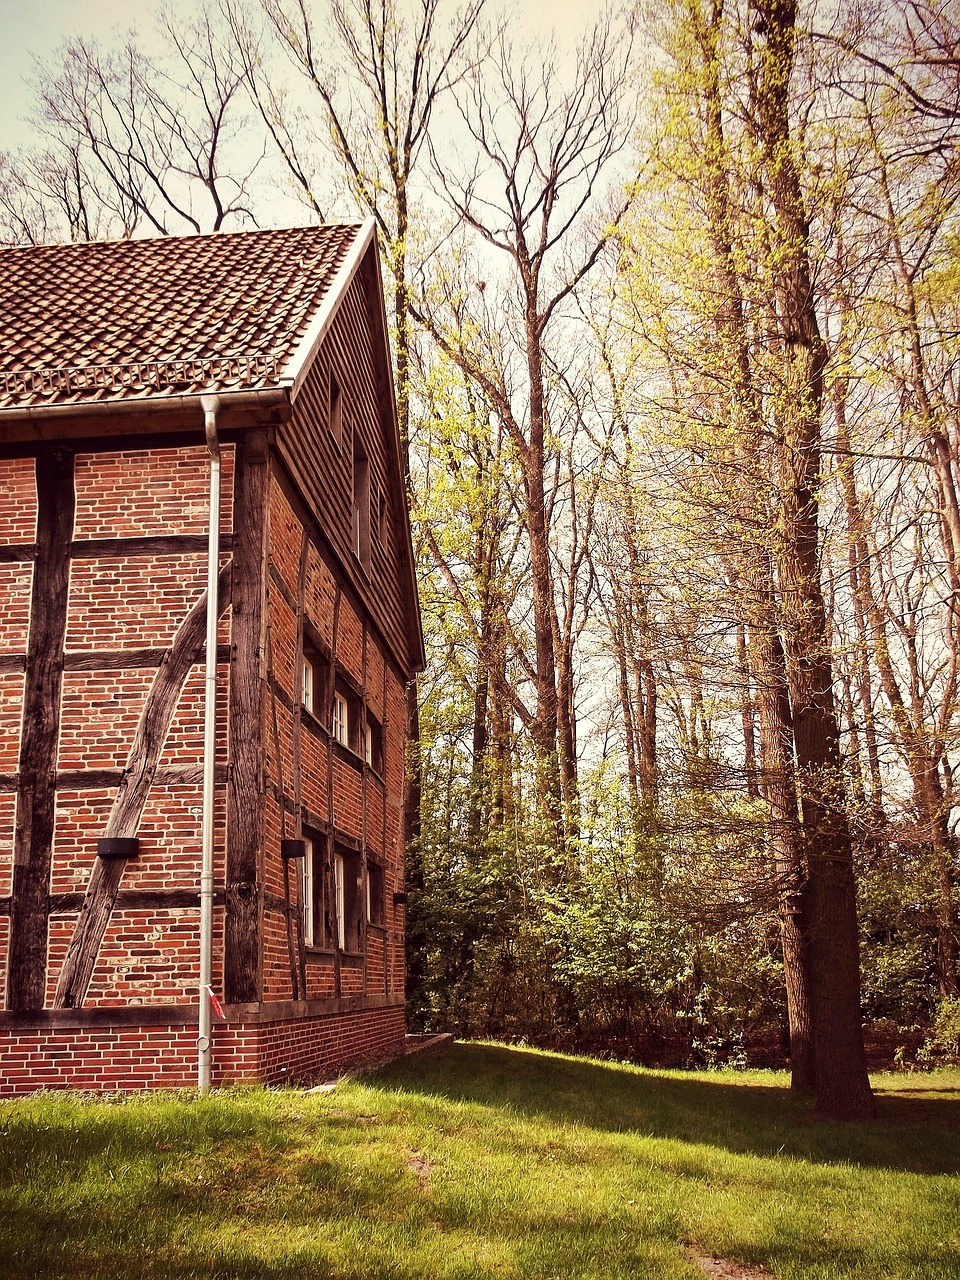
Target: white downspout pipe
[[210, 405]]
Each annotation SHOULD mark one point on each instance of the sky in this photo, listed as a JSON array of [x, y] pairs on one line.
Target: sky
[[30, 28], [39, 27]]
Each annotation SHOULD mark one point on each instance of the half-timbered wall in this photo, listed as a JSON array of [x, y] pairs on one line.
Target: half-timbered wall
[[100, 577], [317, 788], [101, 615]]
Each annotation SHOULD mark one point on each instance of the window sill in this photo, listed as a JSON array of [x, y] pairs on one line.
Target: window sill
[[317, 955]]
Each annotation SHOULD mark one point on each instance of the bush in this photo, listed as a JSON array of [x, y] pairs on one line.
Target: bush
[[942, 1045]]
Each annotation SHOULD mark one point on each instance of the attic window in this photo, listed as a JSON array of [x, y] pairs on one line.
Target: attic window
[[381, 517], [361, 504], [335, 410]]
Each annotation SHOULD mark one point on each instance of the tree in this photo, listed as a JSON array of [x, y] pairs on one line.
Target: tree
[[134, 144], [538, 154]]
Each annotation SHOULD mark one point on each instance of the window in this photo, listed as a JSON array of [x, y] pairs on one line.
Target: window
[[373, 743], [335, 410], [346, 868], [380, 513], [309, 877], [341, 719], [347, 726], [361, 504], [314, 673], [375, 893], [309, 683], [316, 915], [315, 677]]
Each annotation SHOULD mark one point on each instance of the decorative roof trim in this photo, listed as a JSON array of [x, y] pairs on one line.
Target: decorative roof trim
[[299, 363], [143, 377]]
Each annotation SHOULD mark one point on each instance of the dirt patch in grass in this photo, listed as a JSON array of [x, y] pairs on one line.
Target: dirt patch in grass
[[725, 1269], [421, 1167]]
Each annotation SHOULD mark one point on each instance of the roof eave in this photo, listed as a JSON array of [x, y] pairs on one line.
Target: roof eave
[[298, 365], [250, 398], [414, 619]]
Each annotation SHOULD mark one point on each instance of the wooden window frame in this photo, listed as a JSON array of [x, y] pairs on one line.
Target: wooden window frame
[[340, 721], [373, 742], [319, 925], [376, 895], [316, 673], [347, 872], [308, 890]]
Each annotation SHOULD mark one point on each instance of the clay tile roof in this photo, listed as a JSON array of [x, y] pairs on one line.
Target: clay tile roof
[[135, 319]]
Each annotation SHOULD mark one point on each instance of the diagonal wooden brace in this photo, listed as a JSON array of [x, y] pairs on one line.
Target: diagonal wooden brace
[[131, 797]]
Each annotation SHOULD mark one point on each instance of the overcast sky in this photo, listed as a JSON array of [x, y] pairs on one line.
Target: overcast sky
[[38, 27]]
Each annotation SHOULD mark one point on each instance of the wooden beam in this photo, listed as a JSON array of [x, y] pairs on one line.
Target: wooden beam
[[176, 775], [16, 552], [132, 792], [36, 795], [245, 789], [12, 662], [127, 900], [123, 659], [276, 580], [173, 544]]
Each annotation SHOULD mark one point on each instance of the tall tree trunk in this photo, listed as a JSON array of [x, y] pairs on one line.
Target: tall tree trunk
[[780, 792], [842, 1086], [766, 648]]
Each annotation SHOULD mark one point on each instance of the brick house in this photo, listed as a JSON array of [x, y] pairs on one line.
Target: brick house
[[186, 824]]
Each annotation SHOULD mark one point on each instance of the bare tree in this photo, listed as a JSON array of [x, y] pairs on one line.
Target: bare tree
[[538, 154], [133, 144], [377, 69]]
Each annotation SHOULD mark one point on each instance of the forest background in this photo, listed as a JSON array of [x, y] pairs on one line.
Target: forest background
[[675, 322]]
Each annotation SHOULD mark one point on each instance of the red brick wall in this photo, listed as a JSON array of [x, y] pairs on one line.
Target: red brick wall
[[302, 1049]]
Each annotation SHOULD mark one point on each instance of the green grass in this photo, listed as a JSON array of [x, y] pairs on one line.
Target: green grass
[[484, 1162]]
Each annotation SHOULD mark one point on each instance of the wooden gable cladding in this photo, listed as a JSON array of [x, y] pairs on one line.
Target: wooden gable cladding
[[322, 458]]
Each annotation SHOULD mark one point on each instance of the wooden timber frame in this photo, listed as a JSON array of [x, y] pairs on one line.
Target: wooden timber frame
[[36, 774], [243, 976]]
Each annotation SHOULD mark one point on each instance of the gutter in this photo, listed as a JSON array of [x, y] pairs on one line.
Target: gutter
[[210, 405], [267, 398]]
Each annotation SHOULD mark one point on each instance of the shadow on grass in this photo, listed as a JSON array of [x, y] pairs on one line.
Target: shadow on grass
[[912, 1133], [261, 1185]]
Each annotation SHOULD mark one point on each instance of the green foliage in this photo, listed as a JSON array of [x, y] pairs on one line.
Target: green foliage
[[942, 1045], [897, 903]]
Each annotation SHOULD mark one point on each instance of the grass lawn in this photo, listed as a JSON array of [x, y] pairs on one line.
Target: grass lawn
[[485, 1161]]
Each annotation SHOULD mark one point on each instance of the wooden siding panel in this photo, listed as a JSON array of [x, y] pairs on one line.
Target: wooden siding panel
[[323, 469]]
